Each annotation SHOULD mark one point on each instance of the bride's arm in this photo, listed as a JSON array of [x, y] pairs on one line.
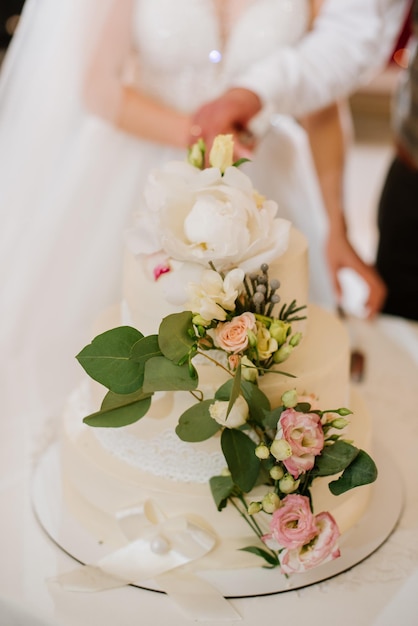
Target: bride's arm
[[107, 95]]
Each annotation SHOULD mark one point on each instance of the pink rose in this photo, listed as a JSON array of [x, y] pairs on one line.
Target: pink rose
[[321, 549], [303, 432], [292, 524], [233, 336]]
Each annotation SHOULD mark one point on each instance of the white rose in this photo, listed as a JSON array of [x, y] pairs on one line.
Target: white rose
[[200, 216], [237, 416]]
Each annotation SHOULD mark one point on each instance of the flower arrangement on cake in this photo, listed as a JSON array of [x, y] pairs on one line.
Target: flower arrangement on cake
[[234, 320]]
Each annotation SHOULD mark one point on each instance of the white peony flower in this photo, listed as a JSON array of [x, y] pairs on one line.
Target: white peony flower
[[199, 216]]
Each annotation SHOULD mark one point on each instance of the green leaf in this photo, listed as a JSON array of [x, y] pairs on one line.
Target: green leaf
[[224, 391], [120, 410], [361, 471], [196, 424], [235, 391], [145, 348], [334, 458], [107, 360], [164, 375], [303, 407], [222, 488], [271, 559], [271, 418], [173, 336], [241, 161], [257, 401], [239, 452]]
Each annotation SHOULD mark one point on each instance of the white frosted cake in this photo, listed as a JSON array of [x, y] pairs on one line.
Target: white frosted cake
[[107, 471]]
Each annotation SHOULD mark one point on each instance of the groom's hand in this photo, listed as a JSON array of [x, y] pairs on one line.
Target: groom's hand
[[228, 114]]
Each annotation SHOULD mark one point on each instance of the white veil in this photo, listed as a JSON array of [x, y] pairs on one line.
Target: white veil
[[54, 157]]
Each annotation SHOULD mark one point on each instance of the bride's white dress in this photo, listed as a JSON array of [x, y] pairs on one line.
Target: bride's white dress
[[70, 181]]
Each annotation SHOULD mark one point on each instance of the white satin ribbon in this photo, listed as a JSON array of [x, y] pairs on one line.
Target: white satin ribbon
[[157, 546]]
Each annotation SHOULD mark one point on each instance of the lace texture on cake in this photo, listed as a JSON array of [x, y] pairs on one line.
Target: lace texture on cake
[[165, 456]]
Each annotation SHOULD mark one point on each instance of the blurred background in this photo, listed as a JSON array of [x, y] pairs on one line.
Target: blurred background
[[368, 157], [9, 16]]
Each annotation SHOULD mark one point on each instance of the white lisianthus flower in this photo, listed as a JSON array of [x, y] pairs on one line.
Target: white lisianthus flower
[[196, 154], [281, 449], [288, 484], [213, 296], [276, 472], [237, 416], [199, 216], [290, 398], [222, 152], [249, 370], [262, 451], [266, 345], [254, 508], [270, 502], [279, 330]]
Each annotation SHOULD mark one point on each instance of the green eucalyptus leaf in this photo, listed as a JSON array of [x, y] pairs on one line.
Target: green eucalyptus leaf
[[361, 471], [225, 390], [174, 336], [196, 424], [334, 458], [162, 374], [119, 410], [239, 452], [107, 360], [271, 418], [222, 488], [145, 348]]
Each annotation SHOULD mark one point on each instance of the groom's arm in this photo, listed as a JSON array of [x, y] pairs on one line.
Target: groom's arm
[[350, 41]]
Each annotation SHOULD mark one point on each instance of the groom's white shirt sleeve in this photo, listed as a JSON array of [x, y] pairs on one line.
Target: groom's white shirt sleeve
[[350, 41]]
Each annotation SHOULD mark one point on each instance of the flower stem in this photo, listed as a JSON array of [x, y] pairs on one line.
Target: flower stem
[[250, 521], [215, 362]]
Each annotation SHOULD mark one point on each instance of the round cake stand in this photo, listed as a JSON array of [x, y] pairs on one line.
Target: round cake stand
[[370, 532]]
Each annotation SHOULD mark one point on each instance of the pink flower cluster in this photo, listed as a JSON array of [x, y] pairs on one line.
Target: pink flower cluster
[[304, 540], [304, 433]]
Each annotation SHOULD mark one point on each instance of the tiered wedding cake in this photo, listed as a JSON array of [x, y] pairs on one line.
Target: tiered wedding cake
[[154, 462]]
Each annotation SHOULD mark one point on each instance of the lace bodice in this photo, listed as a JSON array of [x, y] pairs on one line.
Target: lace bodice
[[191, 50]]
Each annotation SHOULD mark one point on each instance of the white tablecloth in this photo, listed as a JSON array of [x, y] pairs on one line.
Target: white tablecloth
[[381, 591]]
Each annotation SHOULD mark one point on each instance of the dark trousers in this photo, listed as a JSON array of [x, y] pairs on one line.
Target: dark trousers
[[397, 254]]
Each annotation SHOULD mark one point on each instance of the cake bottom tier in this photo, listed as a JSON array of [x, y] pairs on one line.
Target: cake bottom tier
[[101, 487]]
